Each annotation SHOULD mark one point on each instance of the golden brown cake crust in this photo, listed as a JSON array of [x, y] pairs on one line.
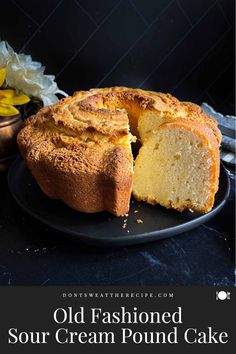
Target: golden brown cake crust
[[79, 149]]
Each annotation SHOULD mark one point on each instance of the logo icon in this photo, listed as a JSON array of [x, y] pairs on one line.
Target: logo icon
[[222, 295]]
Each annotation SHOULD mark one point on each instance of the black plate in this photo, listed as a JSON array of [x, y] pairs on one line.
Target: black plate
[[103, 228]]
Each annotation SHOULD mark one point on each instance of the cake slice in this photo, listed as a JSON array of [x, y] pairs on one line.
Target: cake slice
[[178, 167], [80, 156]]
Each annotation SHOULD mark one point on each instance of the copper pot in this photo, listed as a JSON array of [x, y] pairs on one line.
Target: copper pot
[[9, 127]]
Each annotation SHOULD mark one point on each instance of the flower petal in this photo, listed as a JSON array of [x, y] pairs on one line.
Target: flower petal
[[27, 76], [15, 100], [2, 75], [48, 99], [7, 93], [7, 110]]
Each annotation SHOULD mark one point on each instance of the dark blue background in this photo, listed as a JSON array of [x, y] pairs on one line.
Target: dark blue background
[[185, 47]]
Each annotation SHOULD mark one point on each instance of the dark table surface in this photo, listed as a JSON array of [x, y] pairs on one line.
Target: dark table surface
[[32, 254]]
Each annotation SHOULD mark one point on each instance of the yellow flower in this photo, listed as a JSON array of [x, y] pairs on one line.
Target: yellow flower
[[9, 98], [2, 75]]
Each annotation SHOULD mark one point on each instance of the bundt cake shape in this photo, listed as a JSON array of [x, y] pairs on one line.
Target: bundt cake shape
[[79, 151]]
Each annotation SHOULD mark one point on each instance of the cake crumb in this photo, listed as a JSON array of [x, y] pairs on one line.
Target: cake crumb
[[139, 221], [136, 211], [126, 215]]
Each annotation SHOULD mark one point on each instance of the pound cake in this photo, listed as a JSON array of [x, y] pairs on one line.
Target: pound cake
[[79, 151]]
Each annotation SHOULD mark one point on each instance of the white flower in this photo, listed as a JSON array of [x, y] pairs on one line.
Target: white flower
[[4, 54], [27, 76]]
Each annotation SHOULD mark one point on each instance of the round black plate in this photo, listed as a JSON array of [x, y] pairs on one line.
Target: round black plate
[[103, 228]]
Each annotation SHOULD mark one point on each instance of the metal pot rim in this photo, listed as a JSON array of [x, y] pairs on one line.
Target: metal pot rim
[[8, 120]]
